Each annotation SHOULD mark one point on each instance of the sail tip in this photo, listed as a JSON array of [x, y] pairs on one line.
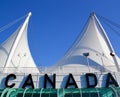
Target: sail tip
[[29, 14], [92, 14]]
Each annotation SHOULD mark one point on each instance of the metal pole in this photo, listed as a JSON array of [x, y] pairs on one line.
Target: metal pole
[[112, 52]]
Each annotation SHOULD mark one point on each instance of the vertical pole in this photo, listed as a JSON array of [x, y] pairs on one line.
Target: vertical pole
[[88, 64], [41, 92], [17, 40], [112, 52]]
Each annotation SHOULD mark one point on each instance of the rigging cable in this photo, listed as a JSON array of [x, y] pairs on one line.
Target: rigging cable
[[110, 24], [11, 23]]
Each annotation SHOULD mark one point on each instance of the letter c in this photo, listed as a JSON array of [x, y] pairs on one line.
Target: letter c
[[8, 78]]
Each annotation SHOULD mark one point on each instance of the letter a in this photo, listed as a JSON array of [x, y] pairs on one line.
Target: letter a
[[28, 82], [72, 83], [111, 81]]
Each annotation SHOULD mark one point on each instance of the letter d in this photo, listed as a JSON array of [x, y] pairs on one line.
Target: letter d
[[91, 80]]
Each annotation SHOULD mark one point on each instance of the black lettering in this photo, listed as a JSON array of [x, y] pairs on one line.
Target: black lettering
[[53, 83], [71, 81], [10, 76], [111, 81], [28, 82], [92, 76]]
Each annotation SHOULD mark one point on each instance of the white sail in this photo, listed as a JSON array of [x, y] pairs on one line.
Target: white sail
[[91, 52], [15, 53]]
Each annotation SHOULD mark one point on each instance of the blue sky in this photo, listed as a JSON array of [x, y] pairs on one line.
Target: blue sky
[[55, 24]]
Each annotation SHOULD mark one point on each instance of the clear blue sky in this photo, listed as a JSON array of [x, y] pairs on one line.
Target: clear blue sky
[[55, 24]]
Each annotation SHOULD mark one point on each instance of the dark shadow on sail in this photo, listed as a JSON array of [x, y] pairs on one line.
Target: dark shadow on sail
[[83, 61], [4, 50]]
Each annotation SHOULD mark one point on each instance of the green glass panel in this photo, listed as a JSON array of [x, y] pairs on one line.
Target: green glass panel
[[85, 92]]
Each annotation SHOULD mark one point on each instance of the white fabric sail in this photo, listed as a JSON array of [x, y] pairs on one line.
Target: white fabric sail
[[15, 53], [91, 52]]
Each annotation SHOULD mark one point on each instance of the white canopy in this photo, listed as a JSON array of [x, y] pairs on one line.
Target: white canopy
[[91, 52], [15, 53]]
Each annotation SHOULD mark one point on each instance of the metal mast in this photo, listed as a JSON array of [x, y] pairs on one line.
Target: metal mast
[[112, 52], [17, 40]]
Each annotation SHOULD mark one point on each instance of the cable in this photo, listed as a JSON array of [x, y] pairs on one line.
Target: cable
[[109, 23], [12, 23]]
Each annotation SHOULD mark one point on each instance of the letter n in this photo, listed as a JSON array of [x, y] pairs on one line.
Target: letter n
[[52, 82]]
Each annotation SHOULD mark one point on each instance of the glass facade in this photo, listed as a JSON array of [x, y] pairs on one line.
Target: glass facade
[[71, 92]]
